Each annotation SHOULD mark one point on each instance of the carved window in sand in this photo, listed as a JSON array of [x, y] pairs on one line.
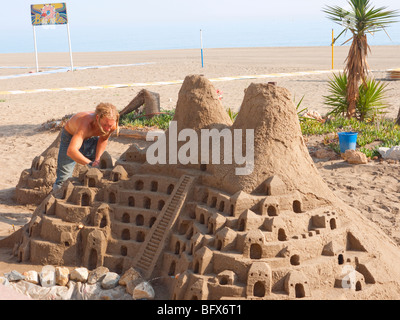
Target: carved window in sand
[[140, 236], [139, 220], [161, 204], [255, 251], [170, 189], [154, 186], [125, 235], [259, 289], [139, 185], [85, 200], [126, 218], [91, 182], [112, 197], [146, 202]]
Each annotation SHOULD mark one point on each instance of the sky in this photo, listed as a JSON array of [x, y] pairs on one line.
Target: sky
[[105, 25]]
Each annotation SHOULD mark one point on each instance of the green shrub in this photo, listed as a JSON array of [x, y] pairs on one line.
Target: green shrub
[[160, 121], [232, 114], [370, 102]]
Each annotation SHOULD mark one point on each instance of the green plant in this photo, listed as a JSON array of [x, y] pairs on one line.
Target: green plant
[[370, 102], [361, 19], [160, 120], [337, 97], [299, 110], [371, 99], [232, 114]]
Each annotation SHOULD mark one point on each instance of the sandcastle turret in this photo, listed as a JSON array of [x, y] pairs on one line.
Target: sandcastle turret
[[280, 153], [198, 105]]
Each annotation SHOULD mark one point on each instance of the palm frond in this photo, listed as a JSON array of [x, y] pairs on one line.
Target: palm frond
[[370, 102], [371, 99], [362, 17], [337, 100]]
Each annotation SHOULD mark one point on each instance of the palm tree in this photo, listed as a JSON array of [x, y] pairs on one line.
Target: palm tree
[[362, 18]]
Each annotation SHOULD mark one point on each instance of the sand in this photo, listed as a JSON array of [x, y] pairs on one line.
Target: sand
[[371, 188]]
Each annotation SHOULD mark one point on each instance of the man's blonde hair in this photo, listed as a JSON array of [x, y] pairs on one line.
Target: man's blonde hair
[[108, 110]]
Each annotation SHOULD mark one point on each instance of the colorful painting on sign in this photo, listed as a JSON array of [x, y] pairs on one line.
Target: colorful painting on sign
[[51, 13]]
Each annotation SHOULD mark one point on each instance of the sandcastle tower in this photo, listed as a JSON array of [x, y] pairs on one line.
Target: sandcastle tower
[[37, 182], [277, 232]]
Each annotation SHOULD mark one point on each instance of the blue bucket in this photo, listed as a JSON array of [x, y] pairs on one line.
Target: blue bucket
[[347, 140]]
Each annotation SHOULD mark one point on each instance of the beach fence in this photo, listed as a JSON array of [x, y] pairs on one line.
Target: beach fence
[[49, 15]]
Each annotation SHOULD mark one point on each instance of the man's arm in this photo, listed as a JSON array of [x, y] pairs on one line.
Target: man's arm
[[101, 147], [74, 146]]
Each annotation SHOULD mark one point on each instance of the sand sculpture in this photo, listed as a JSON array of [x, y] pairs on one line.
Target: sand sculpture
[[37, 182], [276, 233], [145, 101]]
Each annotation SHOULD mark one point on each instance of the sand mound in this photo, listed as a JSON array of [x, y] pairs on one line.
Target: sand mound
[[198, 105]]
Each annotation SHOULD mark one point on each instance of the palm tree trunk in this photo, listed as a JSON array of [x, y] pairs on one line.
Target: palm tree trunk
[[356, 69]]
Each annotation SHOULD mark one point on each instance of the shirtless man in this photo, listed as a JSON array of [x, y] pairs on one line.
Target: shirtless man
[[84, 139]]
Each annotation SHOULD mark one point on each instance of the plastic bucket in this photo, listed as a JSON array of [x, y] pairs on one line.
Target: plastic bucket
[[347, 140]]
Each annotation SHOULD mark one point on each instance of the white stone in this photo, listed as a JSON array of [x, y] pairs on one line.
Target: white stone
[[390, 153], [14, 275], [110, 281], [143, 291], [79, 274], [48, 276], [312, 114], [32, 276], [97, 274], [129, 275], [131, 285], [62, 276], [4, 281]]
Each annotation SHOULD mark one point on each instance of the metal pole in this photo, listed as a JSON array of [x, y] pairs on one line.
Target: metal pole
[[332, 48], [36, 55], [201, 44], [70, 50]]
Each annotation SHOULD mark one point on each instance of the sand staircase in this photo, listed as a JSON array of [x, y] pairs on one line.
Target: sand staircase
[[150, 251]]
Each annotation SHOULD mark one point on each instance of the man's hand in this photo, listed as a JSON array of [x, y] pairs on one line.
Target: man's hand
[[94, 163]]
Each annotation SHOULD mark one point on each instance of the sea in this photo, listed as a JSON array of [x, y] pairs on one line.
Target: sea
[[174, 35]]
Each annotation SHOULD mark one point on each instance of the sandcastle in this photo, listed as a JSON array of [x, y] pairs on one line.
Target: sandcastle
[[276, 233]]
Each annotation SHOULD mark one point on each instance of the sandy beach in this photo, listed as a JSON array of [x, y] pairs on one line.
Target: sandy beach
[[372, 188]]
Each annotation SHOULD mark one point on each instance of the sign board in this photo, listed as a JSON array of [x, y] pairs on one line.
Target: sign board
[[48, 14]]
